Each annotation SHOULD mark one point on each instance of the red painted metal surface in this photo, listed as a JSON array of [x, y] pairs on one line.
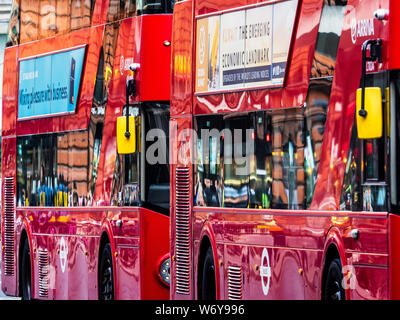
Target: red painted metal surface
[[137, 237], [296, 242]]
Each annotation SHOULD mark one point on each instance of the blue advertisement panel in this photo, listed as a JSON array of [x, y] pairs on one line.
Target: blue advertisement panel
[[49, 85]]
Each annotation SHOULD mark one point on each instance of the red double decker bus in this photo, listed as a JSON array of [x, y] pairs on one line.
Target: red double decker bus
[[285, 150], [80, 220]]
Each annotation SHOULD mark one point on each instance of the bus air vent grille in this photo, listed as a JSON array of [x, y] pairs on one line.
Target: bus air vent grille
[[9, 231], [235, 283], [182, 232], [43, 273]]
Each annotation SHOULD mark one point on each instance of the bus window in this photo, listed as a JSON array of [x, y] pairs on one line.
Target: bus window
[[208, 162], [315, 119], [155, 6], [157, 174], [142, 178], [351, 198], [261, 172], [288, 159], [374, 161], [48, 18], [395, 140], [238, 156]]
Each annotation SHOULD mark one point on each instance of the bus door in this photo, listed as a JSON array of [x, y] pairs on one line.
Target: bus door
[[374, 176], [144, 170]]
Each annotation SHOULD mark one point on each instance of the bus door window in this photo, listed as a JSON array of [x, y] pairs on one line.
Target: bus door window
[[208, 190], [261, 173], [43, 19], [315, 119], [394, 141], [156, 157], [125, 186], [238, 158], [350, 198], [374, 160]]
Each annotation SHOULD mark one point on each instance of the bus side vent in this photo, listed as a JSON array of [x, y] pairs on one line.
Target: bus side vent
[[9, 232], [235, 283], [182, 231], [43, 273]]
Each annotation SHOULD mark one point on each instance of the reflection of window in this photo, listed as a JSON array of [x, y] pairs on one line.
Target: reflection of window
[[52, 170], [13, 27]]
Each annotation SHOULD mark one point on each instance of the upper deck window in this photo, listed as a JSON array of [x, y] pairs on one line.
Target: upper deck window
[[39, 19], [155, 6]]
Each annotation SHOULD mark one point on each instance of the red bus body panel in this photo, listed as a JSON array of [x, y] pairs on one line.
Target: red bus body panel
[[296, 242]]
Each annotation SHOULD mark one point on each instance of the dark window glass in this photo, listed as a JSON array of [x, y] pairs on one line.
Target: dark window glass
[[47, 18], [53, 170], [288, 159], [250, 161], [351, 197], [315, 119], [261, 171], [13, 26], [142, 178], [209, 160], [155, 6]]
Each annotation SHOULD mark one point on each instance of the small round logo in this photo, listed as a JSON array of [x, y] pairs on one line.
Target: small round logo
[[265, 271]]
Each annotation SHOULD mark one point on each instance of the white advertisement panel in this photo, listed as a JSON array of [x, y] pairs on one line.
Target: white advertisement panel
[[245, 48]]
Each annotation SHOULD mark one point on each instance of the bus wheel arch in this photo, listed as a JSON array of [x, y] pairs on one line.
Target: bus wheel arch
[[106, 269], [332, 272], [25, 267], [207, 269]]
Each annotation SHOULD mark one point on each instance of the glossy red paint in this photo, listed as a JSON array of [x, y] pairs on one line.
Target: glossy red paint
[[394, 257], [182, 62], [296, 242], [137, 237], [180, 157]]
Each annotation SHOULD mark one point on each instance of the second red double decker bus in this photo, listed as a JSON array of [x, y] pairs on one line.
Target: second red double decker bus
[[285, 150]]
